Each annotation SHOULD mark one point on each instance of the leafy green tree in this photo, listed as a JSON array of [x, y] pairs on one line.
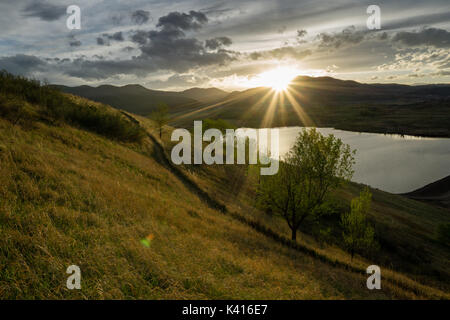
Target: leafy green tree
[[160, 116], [357, 234], [313, 167]]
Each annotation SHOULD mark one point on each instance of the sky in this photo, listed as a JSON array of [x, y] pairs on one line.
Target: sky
[[175, 45]]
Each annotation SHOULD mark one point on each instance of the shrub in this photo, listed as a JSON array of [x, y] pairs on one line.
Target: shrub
[[358, 235], [17, 94]]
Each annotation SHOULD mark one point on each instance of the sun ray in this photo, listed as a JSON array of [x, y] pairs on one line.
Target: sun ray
[[222, 103], [268, 116], [304, 118], [263, 99]]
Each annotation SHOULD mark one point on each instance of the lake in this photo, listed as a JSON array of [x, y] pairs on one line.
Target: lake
[[392, 163]]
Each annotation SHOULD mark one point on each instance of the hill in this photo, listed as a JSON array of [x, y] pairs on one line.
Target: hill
[[328, 102], [208, 95], [437, 192], [132, 98], [82, 185]]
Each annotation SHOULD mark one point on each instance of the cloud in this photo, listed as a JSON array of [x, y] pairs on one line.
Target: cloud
[[183, 21], [22, 64], [442, 73], [177, 81], [301, 33], [281, 53], [118, 36], [105, 39], [217, 43], [140, 17], [282, 29], [75, 43], [438, 38], [101, 41], [164, 48], [140, 37], [348, 36], [44, 10]]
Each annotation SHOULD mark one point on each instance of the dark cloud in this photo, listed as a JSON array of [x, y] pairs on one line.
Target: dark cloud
[[301, 33], [105, 39], [169, 48], [348, 36], [118, 36], [140, 37], [165, 48], [183, 21], [438, 38], [44, 10], [75, 43], [140, 17], [22, 64], [101, 41], [217, 43]]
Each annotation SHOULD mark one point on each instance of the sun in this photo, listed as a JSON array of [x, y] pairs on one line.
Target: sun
[[278, 79]]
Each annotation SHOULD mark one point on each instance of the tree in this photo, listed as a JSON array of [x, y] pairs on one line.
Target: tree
[[161, 117], [357, 234], [312, 168]]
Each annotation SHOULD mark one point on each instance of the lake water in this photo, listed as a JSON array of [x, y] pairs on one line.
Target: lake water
[[388, 162]]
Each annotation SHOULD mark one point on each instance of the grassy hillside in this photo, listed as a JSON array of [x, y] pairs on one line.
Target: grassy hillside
[[406, 229], [73, 194], [437, 193]]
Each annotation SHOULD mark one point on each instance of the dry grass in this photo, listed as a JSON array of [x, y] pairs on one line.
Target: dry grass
[[70, 196], [73, 197], [410, 256]]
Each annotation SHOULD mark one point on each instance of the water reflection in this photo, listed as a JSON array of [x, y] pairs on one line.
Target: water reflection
[[392, 163]]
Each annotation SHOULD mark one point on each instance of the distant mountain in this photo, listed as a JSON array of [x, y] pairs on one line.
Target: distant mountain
[[133, 98], [207, 95], [342, 104]]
